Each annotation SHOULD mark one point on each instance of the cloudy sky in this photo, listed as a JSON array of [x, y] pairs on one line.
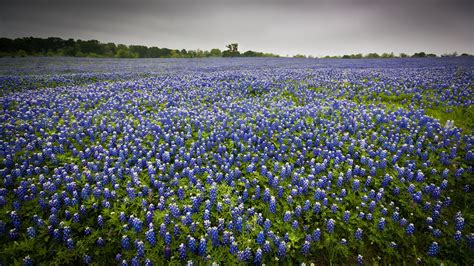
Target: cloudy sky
[[312, 27]]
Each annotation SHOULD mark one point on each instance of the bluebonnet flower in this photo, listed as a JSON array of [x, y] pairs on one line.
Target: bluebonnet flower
[[294, 225], [355, 184], [31, 232], [458, 236], [403, 222], [395, 216], [125, 242], [272, 205], [137, 224], [27, 261], [100, 221], [87, 259], [70, 243], [316, 235], [258, 256], [266, 247], [381, 224], [148, 262], [347, 215], [245, 255], [182, 251], [13, 234], [433, 249], [100, 242], [233, 248], [76, 218], [267, 225], [192, 245], [150, 237], [281, 251], [213, 233], [437, 233], [260, 238], [305, 248], [459, 223], [297, 211], [330, 225], [140, 249], [317, 207], [202, 247], [167, 239], [410, 229], [358, 234]]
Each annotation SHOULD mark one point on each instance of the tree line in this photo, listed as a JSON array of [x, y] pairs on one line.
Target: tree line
[[53, 46], [386, 55]]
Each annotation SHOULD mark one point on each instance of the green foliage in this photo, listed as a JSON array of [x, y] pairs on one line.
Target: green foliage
[[31, 46], [232, 50], [420, 54], [216, 52], [463, 117], [299, 56]]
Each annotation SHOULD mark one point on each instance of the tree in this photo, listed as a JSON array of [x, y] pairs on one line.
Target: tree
[[299, 56], [174, 54], [216, 52], [232, 50], [387, 55], [372, 55], [420, 54], [141, 50]]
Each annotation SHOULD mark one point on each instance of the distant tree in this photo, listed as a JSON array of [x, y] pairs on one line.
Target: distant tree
[[299, 56], [372, 55], [90, 46], [154, 52], [110, 49], [200, 53], [141, 50], [232, 50], [250, 53], [403, 55], [387, 55], [175, 54], [420, 54], [124, 52], [54, 46], [215, 52]]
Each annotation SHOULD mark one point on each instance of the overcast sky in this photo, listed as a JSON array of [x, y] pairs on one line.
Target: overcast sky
[[311, 27]]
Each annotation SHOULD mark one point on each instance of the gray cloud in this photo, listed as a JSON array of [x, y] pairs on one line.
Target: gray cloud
[[286, 27]]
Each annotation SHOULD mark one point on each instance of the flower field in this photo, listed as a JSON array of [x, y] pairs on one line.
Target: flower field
[[141, 162]]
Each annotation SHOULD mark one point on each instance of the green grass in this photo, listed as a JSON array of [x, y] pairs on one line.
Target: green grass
[[463, 117]]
